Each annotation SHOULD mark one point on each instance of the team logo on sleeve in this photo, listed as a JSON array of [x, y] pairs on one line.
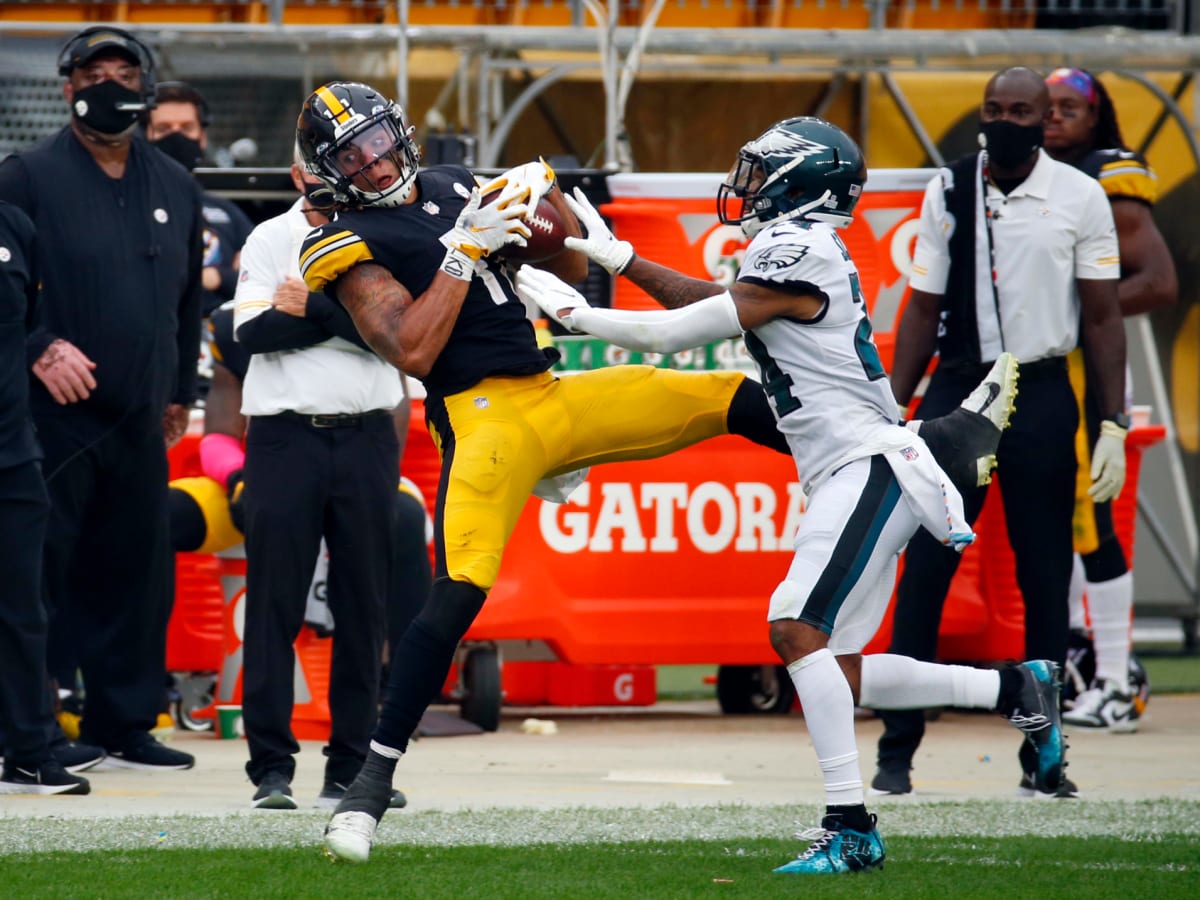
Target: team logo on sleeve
[[780, 257]]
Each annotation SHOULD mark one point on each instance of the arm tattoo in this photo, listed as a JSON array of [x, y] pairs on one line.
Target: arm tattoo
[[670, 288], [375, 301]]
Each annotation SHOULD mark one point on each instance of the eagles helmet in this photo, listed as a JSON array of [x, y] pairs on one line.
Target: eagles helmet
[[800, 168], [344, 129]]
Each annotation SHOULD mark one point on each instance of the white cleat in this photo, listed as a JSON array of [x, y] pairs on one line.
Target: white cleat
[[349, 836]]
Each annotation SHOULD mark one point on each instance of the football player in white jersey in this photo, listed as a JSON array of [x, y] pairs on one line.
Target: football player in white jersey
[[869, 480]]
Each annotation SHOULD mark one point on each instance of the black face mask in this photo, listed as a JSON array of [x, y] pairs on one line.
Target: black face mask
[[1009, 144], [108, 107], [181, 148]]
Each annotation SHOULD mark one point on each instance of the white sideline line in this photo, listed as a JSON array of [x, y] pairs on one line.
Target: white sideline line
[[667, 777]]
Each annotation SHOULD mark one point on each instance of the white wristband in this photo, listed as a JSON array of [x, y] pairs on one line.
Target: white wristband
[[458, 265], [662, 330]]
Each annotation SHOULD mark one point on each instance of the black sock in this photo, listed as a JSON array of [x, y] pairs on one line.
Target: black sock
[[852, 817], [378, 768], [1010, 689]]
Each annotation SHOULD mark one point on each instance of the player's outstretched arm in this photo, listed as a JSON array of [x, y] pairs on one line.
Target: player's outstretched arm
[[648, 331], [670, 288]]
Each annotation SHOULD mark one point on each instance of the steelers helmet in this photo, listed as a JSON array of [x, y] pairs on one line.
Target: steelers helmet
[[343, 130], [800, 168]]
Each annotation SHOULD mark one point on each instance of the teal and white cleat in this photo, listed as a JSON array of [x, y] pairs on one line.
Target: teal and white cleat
[[837, 850], [1036, 714]]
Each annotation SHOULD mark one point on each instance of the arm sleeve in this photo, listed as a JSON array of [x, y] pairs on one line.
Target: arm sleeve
[[663, 330], [931, 256], [16, 188], [188, 334]]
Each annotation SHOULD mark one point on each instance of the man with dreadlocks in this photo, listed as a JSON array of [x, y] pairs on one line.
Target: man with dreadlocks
[[1082, 130]]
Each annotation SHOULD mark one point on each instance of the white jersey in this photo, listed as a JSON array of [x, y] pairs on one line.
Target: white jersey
[[823, 375]]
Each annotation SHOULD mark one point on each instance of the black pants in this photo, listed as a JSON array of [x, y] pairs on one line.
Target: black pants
[[1036, 474], [25, 708], [109, 571], [303, 482]]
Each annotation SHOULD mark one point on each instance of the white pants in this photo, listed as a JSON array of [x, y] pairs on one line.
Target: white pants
[[846, 549]]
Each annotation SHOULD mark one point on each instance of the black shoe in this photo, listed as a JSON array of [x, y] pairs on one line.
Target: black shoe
[[274, 792], [891, 783], [333, 792], [76, 757], [147, 753], [1068, 790], [48, 778]]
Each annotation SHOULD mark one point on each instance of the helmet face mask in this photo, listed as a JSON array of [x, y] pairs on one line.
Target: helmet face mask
[[358, 144], [801, 168]]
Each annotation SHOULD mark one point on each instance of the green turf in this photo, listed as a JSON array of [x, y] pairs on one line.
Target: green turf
[[1095, 867]]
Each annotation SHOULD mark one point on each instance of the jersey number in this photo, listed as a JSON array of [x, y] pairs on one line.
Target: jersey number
[[776, 382], [868, 353]]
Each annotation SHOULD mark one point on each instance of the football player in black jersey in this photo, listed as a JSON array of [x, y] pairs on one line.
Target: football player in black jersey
[[1084, 132]]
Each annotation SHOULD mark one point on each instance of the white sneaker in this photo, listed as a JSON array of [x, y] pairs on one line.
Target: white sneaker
[[349, 836], [1107, 706]]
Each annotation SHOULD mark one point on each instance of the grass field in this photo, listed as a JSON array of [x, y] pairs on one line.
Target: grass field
[[1003, 849]]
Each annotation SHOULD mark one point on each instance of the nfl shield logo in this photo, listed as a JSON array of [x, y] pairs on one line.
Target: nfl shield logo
[[909, 453]]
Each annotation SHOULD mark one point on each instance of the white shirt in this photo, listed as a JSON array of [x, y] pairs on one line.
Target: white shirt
[[1055, 227], [334, 376]]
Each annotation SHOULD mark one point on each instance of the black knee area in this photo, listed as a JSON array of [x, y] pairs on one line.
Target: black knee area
[[750, 416], [1106, 562], [188, 528], [452, 607]]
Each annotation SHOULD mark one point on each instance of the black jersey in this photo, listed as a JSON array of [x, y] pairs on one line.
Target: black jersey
[[492, 336], [1123, 174]]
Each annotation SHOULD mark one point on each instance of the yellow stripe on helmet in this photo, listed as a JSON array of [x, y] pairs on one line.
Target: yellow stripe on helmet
[[340, 114]]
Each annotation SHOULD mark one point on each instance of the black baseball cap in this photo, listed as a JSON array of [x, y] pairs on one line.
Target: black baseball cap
[[91, 42]]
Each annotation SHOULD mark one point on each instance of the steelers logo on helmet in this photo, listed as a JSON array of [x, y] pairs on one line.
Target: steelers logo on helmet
[[801, 168], [359, 144]]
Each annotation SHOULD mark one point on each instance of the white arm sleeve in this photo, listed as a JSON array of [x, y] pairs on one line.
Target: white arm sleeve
[[662, 330]]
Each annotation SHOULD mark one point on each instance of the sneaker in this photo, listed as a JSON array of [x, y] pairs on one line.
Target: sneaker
[[349, 836], [834, 851], [1106, 707], [1068, 790], [351, 832], [48, 778], [334, 791], [149, 754], [891, 783], [76, 757], [274, 792], [964, 442], [1036, 714]]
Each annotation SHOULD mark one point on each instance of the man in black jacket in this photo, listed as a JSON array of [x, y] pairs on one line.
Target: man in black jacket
[[114, 359]]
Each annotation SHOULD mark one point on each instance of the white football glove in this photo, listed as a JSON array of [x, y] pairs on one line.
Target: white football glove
[[527, 183], [556, 298], [1108, 463], [601, 245], [480, 230]]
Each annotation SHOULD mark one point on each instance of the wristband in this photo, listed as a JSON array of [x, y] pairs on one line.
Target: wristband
[[220, 456], [458, 265]]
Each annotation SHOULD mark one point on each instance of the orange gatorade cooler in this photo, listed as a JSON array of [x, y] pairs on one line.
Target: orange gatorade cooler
[[310, 715]]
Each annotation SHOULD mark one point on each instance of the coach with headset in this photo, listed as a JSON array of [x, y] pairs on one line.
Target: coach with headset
[[114, 366]]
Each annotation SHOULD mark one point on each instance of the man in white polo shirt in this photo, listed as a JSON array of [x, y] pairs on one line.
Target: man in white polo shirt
[[1016, 252], [322, 459]]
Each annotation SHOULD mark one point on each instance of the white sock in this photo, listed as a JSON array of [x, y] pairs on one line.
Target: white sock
[[829, 713], [386, 751], [1110, 604], [891, 681], [1075, 596]]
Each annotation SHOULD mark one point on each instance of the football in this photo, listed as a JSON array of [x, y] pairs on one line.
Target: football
[[546, 240]]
